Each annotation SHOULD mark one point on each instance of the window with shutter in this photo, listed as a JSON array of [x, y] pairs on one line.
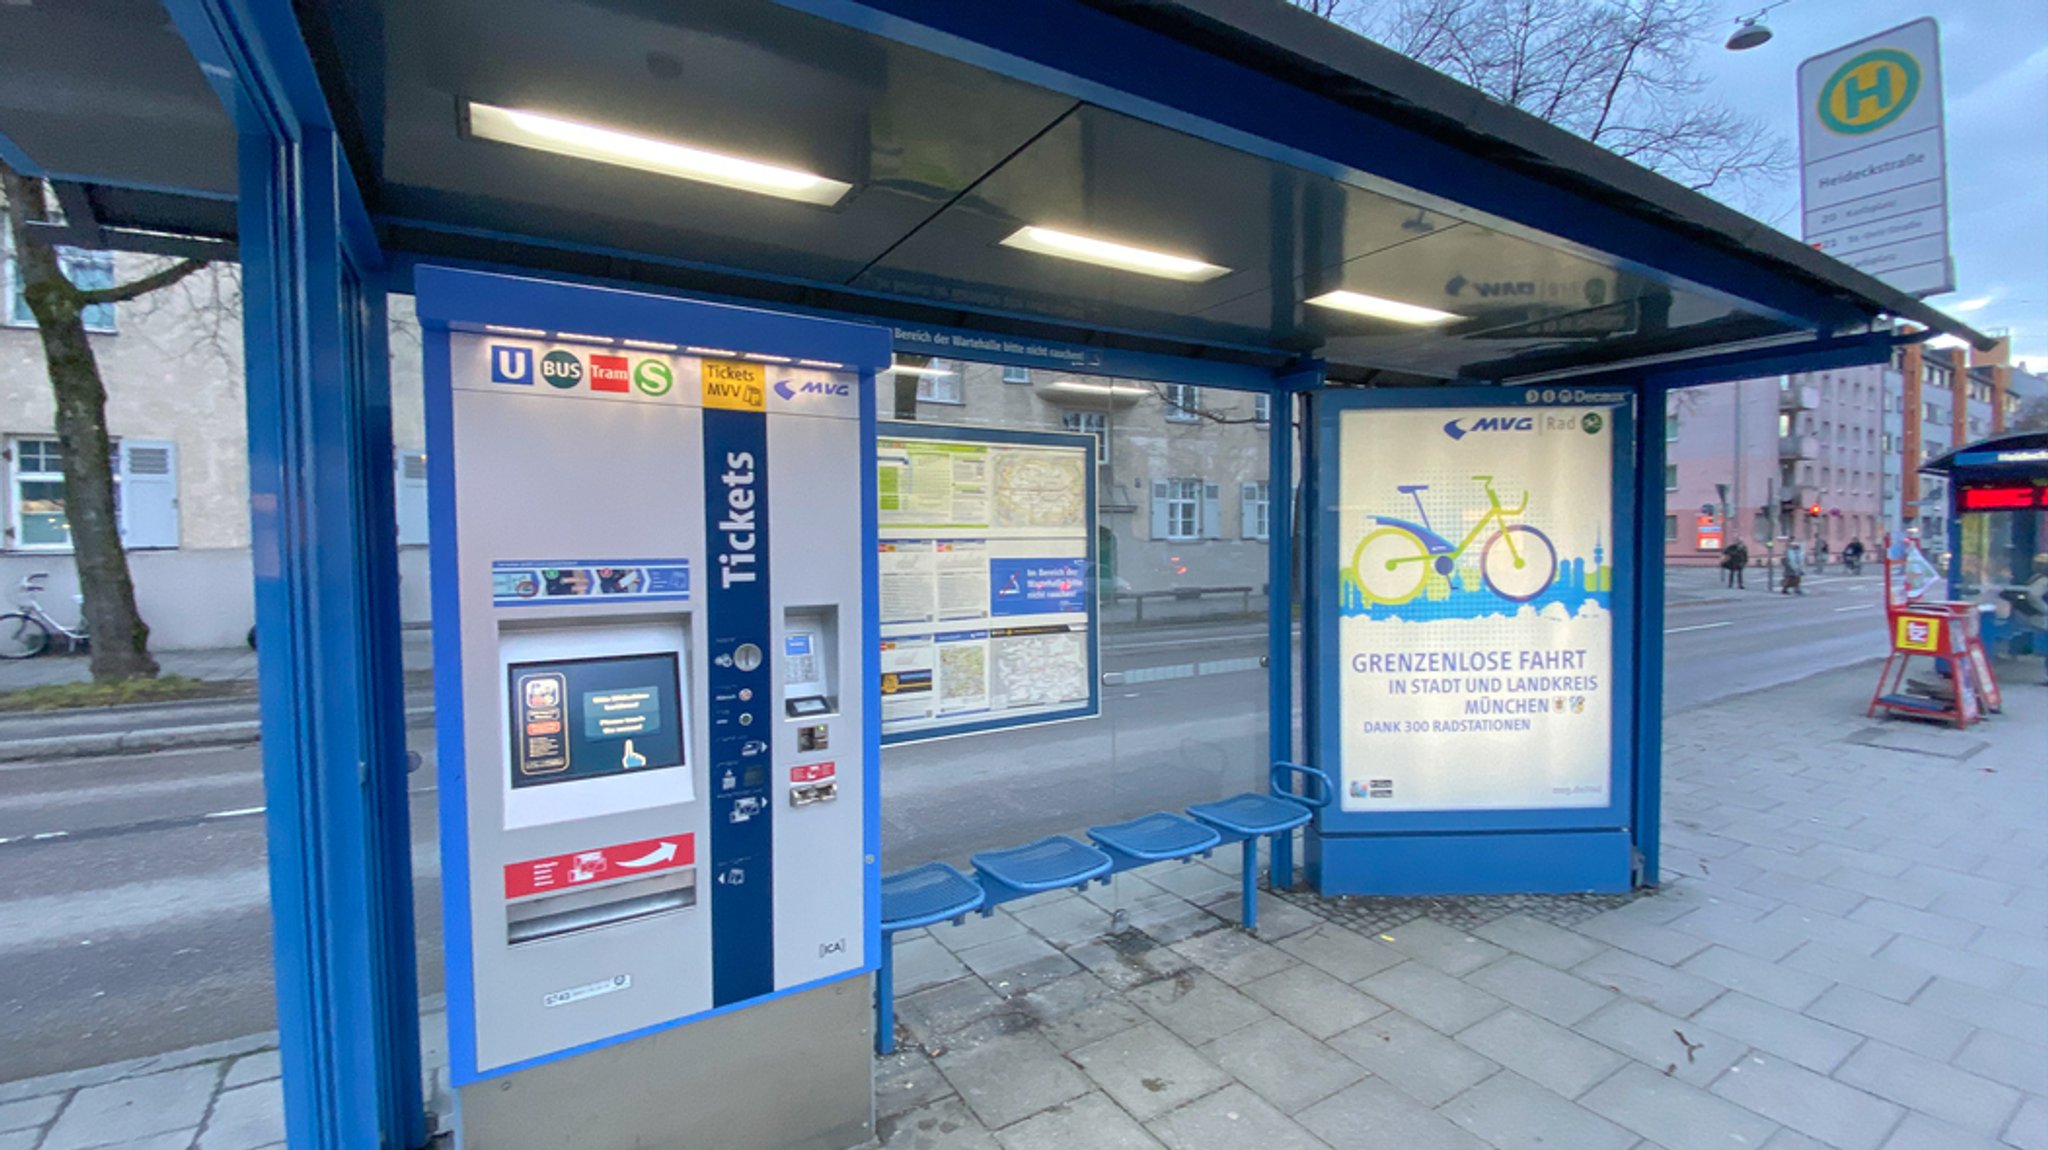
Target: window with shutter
[[1252, 511], [1212, 511]]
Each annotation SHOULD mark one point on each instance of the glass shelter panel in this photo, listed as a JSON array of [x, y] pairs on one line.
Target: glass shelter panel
[[1180, 580]]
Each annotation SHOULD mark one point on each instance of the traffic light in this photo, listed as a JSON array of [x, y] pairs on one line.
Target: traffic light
[[1813, 512]]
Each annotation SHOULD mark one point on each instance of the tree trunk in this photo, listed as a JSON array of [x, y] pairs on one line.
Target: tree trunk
[[120, 639]]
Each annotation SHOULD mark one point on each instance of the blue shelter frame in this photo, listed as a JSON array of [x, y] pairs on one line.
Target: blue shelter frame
[[318, 266]]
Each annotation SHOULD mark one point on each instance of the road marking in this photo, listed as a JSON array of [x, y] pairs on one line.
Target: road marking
[[48, 835], [234, 814], [1857, 607], [1698, 627]]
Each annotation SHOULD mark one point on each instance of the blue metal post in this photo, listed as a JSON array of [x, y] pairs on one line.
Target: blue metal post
[[885, 998], [1648, 749], [324, 536], [1249, 892], [1280, 545]]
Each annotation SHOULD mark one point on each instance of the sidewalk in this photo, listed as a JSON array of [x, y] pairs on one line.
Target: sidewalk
[[1687, 586], [1850, 950], [224, 665], [143, 727]]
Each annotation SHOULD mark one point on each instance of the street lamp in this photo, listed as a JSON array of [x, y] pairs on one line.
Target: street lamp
[[1751, 31]]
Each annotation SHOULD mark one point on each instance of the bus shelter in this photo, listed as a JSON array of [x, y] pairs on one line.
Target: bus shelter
[[1460, 323], [1998, 554]]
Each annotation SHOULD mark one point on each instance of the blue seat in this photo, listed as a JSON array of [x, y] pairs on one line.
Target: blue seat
[[924, 895], [917, 897], [1155, 838], [1251, 815], [1048, 864]]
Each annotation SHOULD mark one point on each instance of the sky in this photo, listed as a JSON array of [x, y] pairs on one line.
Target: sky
[[1994, 56]]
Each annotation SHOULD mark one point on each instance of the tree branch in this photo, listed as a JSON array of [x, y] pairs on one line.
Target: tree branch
[[140, 287]]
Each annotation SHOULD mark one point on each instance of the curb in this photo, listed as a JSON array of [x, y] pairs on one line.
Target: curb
[[107, 743]]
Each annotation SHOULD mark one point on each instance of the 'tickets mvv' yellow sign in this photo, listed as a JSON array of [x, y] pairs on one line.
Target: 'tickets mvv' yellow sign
[[735, 386]]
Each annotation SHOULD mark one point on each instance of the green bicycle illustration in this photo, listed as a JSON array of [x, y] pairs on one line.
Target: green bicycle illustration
[[1391, 564]]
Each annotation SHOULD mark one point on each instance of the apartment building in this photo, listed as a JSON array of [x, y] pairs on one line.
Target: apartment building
[[1829, 456]]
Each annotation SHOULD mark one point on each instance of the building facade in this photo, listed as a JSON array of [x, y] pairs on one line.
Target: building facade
[[1184, 509], [1831, 456], [171, 362]]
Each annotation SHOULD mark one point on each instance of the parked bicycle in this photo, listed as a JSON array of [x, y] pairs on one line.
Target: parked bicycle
[[1391, 564], [26, 633]]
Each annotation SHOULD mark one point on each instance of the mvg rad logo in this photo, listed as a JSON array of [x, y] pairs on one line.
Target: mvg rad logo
[[735, 386]]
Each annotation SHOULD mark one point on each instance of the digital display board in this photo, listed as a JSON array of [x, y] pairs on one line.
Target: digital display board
[[576, 719], [2020, 495]]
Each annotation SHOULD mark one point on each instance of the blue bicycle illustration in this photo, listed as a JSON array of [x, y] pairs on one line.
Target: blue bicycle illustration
[[1393, 563]]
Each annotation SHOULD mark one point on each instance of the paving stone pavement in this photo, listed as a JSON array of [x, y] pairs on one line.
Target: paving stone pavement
[[1849, 949]]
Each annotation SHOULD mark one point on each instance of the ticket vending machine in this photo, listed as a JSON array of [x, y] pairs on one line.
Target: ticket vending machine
[[652, 630]]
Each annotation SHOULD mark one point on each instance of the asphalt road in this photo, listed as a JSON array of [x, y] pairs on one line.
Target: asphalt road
[[133, 909]]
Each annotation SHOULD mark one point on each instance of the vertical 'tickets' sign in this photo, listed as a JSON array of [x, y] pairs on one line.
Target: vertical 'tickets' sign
[[739, 625]]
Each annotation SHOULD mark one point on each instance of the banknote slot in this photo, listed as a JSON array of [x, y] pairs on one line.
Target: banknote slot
[[576, 911]]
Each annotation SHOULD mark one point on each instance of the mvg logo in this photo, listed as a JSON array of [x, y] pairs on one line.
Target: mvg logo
[[510, 364], [1491, 423], [790, 390]]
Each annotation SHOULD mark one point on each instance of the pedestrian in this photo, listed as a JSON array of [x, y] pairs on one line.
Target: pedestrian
[[1795, 562], [1731, 564], [1820, 555], [1741, 563], [1852, 555]]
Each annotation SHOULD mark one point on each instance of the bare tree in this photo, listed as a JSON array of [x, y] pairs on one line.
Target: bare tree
[[120, 639], [1620, 73], [2032, 415]]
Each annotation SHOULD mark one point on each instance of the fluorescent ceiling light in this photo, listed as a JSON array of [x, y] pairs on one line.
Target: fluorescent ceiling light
[[578, 337], [1381, 308], [767, 358], [824, 363], [662, 157], [906, 369], [1110, 390], [649, 344], [714, 352], [504, 329], [1105, 253]]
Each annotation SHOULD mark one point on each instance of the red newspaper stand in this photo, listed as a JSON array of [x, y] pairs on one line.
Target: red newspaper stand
[[1933, 629]]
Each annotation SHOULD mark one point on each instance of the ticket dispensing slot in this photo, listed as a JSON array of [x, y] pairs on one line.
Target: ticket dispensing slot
[[572, 911]]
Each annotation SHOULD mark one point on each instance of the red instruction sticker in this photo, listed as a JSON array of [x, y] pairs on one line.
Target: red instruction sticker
[[598, 864], [812, 772]]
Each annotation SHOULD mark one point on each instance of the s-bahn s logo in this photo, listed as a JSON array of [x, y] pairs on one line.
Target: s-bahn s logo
[[511, 364], [1868, 92], [1456, 430]]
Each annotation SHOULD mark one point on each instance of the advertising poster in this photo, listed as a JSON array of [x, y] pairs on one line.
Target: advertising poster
[[1474, 608], [987, 592]]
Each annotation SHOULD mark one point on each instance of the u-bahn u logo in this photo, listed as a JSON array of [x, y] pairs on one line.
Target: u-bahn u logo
[[1869, 92]]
